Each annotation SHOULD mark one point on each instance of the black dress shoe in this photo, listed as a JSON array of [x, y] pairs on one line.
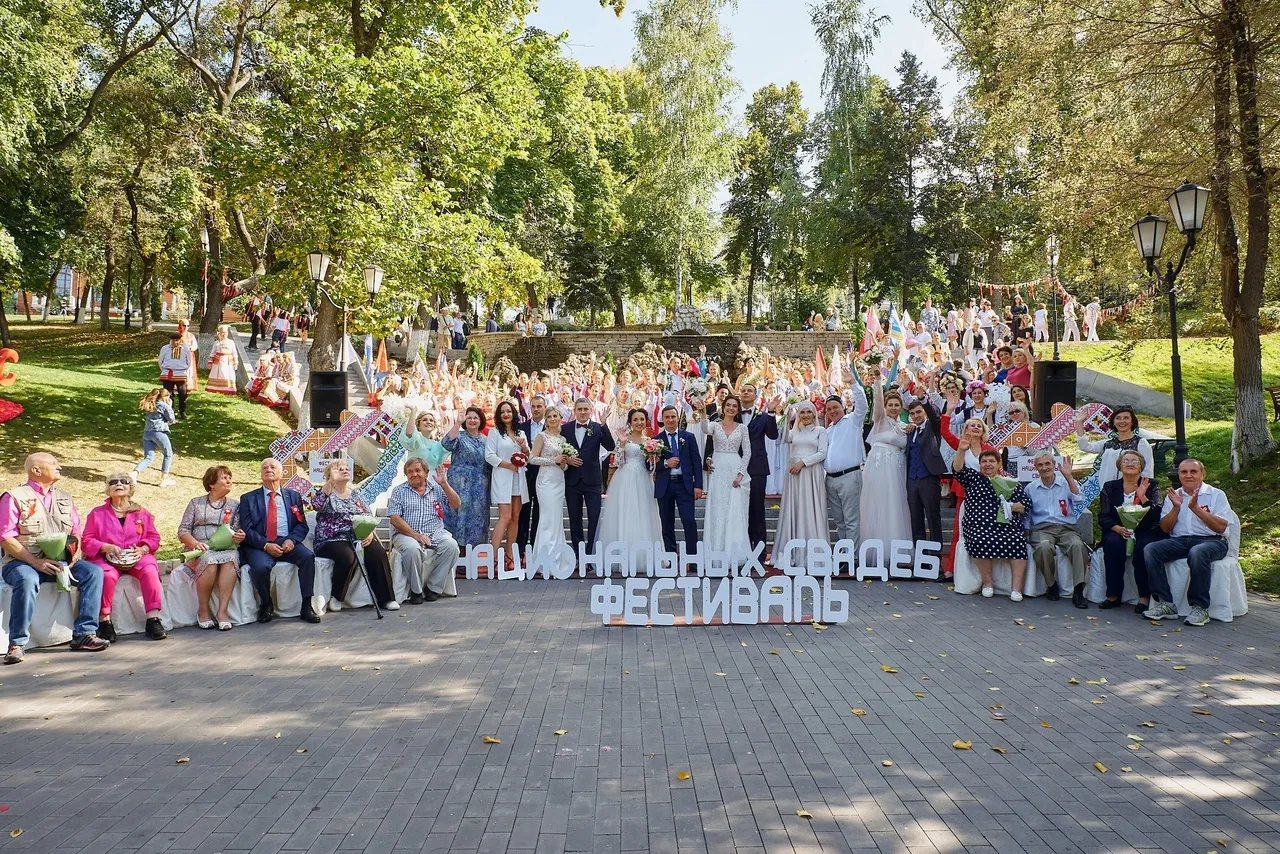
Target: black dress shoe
[[1077, 598], [430, 595], [308, 615], [1052, 593], [264, 614], [155, 629], [106, 631], [1141, 609], [1108, 604], [416, 599]]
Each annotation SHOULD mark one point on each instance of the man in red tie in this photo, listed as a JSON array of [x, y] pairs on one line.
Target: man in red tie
[[275, 525]]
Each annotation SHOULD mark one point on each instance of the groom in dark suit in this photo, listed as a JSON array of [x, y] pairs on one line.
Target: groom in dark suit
[[678, 482], [761, 425], [583, 481], [275, 524]]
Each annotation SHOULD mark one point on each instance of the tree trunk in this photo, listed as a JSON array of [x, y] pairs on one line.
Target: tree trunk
[[751, 276], [856, 287], [108, 279], [82, 296], [48, 293], [326, 336], [6, 337], [26, 302], [619, 315], [212, 314], [1252, 434], [144, 289]]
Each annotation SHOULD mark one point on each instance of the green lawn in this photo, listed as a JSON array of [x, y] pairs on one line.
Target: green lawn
[[1207, 380], [80, 389]]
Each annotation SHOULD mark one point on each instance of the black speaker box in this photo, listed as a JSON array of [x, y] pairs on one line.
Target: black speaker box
[[1052, 382], [328, 398]]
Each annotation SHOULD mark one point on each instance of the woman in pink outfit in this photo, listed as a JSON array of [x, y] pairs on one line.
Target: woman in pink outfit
[[120, 536]]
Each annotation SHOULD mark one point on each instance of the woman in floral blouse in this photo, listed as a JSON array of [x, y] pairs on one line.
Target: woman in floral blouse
[[335, 539]]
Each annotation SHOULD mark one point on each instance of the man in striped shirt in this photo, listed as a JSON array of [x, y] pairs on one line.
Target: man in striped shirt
[[416, 513]]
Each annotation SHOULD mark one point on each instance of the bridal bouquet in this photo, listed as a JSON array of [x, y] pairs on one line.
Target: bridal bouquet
[[698, 387], [519, 459], [1131, 515], [569, 451], [655, 451], [1004, 487]]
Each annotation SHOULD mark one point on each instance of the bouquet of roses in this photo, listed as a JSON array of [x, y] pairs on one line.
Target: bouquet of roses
[[569, 451], [1131, 515], [698, 387], [519, 459], [655, 451], [1004, 487]]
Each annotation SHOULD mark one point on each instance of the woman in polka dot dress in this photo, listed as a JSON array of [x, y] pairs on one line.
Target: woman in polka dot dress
[[985, 539]]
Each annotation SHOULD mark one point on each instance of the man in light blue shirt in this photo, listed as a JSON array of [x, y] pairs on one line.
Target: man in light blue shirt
[[1056, 504]]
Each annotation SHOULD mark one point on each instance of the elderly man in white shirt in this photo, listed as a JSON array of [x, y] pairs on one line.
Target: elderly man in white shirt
[[846, 452], [1196, 519], [1056, 504]]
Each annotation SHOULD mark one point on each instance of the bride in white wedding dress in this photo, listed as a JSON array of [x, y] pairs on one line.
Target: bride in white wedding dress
[[630, 512], [884, 514], [548, 451], [729, 485]]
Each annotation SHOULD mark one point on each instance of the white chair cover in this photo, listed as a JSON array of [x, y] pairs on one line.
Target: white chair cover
[[967, 580], [1227, 596], [181, 607], [51, 621], [1095, 587]]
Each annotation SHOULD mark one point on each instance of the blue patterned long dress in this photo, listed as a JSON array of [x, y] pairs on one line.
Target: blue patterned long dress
[[469, 476]]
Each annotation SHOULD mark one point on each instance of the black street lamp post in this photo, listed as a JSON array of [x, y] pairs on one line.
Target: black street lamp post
[[1187, 204], [1051, 255]]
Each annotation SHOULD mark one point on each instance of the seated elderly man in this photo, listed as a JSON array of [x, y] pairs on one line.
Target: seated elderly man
[[416, 513], [1195, 518], [28, 514], [1056, 504]]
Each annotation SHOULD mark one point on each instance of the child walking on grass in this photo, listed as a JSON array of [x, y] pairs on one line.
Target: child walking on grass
[[158, 415]]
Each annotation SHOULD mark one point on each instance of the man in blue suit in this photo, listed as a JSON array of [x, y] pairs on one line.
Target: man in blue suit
[[275, 524], [584, 481], [678, 482]]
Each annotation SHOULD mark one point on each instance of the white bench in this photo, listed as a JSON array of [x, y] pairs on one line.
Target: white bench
[[968, 581], [1228, 598]]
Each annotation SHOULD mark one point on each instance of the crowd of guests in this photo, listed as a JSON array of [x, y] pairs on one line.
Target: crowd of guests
[[46, 540]]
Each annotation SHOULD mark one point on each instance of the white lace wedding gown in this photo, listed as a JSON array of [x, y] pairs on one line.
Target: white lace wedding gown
[[883, 505], [550, 487], [630, 512], [725, 527]]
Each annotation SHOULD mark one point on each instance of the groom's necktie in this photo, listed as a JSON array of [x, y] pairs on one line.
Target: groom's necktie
[[675, 452]]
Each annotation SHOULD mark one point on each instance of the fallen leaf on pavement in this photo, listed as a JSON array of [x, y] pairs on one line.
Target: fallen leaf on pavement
[[1179, 667], [1135, 738], [346, 667], [919, 694], [1046, 725], [277, 735], [886, 763], [683, 775], [1126, 769], [858, 712], [1048, 660], [887, 669], [488, 739], [1102, 768], [773, 652], [998, 749], [562, 732], [1147, 724], [722, 674], [961, 745], [183, 760], [804, 814], [1204, 712], [1073, 681], [15, 833]]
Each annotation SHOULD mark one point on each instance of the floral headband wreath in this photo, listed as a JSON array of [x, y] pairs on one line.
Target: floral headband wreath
[[951, 381], [976, 385]]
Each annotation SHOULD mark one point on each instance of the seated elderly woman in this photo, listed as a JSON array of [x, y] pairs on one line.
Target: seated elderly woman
[[336, 503], [993, 529], [214, 567], [262, 375], [120, 536]]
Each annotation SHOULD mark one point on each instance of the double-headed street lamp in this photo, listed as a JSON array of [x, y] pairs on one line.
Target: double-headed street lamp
[[318, 267], [1051, 255], [1188, 204]]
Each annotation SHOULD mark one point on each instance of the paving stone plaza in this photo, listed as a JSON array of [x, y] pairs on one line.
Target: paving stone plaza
[[367, 735]]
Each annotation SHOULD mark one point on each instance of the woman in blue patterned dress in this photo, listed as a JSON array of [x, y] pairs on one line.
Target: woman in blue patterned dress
[[469, 476]]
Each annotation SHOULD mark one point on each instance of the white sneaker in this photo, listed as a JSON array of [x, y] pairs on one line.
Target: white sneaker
[[334, 604], [133, 476], [167, 481], [1015, 596], [988, 592], [393, 605]]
